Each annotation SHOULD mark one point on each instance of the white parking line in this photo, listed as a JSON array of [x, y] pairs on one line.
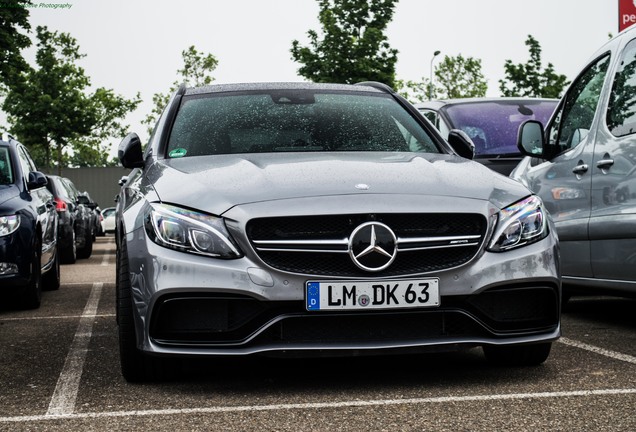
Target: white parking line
[[65, 394], [607, 353], [105, 259], [303, 406], [53, 317]]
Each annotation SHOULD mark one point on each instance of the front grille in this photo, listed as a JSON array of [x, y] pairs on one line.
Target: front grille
[[318, 245], [379, 327]]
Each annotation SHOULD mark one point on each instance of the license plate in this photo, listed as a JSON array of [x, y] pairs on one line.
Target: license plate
[[385, 294]]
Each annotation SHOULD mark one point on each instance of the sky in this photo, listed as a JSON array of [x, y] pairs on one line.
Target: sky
[[135, 46]]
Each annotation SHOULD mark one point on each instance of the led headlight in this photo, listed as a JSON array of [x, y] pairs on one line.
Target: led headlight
[[520, 224], [9, 224], [189, 231]]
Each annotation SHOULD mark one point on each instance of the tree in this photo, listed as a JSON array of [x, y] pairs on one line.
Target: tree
[[353, 48], [530, 79], [51, 110], [196, 71], [459, 77], [416, 91], [93, 150], [12, 20]]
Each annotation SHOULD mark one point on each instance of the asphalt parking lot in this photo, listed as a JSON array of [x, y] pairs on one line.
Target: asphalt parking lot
[[59, 370]]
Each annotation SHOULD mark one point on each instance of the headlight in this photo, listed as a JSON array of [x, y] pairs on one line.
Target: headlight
[[520, 224], [9, 224], [189, 231]]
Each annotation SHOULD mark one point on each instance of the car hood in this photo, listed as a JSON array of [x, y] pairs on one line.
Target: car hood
[[8, 192], [217, 183]]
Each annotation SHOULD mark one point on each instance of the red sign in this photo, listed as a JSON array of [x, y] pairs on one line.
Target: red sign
[[626, 14]]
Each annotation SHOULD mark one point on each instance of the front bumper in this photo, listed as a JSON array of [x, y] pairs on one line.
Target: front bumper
[[16, 253], [192, 305]]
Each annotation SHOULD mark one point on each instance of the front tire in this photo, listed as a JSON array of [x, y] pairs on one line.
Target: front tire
[[51, 280], [87, 250], [135, 365], [69, 253], [31, 296], [518, 355]]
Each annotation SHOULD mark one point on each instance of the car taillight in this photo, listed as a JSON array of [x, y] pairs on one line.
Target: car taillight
[[60, 205]]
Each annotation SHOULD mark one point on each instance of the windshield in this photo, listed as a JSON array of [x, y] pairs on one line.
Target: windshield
[[294, 121], [493, 126], [6, 173]]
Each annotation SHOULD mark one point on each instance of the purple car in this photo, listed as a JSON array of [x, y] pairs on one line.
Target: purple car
[[491, 123]]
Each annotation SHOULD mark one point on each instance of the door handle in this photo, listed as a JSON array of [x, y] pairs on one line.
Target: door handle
[[605, 163], [581, 168]]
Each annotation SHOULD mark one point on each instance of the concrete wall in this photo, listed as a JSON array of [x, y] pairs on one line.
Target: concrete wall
[[101, 183]]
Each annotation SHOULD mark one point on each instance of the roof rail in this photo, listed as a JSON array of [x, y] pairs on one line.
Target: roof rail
[[378, 85]]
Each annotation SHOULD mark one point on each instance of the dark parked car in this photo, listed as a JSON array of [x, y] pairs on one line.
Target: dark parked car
[[74, 226], [28, 228], [491, 123], [95, 213], [317, 219]]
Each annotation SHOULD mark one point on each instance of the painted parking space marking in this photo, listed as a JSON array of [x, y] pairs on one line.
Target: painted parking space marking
[[304, 406], [65, 394], [106, 259], [61, 317], [597, 350]]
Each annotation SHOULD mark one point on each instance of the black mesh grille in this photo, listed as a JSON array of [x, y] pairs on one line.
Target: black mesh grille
[[339, 227], [393, 327]]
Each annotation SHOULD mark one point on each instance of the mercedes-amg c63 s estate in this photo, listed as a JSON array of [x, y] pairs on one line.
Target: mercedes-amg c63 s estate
[[323, 220]]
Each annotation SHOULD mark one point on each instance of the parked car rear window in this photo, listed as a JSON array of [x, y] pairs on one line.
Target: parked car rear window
[[6, 173], [294, 121]]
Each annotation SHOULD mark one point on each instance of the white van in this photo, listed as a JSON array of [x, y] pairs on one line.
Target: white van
[[583, 165]]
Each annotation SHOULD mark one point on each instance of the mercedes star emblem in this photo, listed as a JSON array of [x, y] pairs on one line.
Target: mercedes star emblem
[[372, 246]]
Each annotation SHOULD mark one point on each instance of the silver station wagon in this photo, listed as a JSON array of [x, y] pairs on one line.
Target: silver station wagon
[[324, 220]]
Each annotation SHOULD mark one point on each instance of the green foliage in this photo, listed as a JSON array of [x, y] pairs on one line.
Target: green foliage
[[529, 79], [416, 91], [353, 48], [53, 113], [459, 77], [196, 72], [12, 20]]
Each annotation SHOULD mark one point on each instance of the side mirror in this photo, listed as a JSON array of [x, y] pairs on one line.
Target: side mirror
[[461, 143], [129, 152], [36, 180], [531, 140]]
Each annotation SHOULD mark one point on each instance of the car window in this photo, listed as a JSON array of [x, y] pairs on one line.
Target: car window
[[71, 190], [6, 172], [108, 212], [621, 112], [25, 161], [294, 121], [574, 119], [493, 125], [430, 115]]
